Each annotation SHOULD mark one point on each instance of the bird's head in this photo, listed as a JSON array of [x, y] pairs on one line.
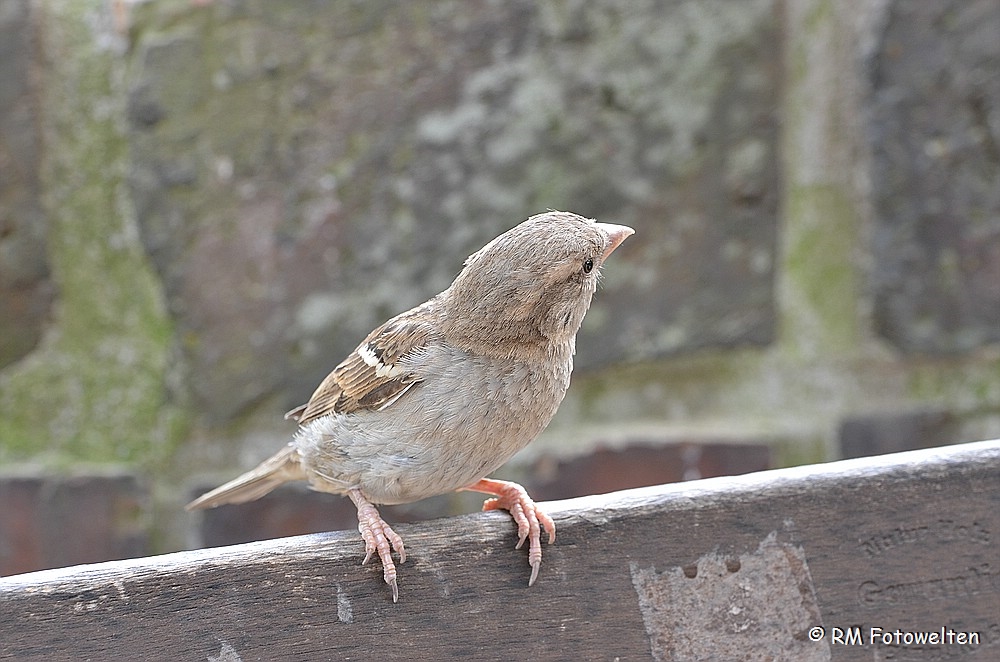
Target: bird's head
[[532, 285]]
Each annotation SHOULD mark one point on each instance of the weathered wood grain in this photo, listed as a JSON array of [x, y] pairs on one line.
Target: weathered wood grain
[[726, 568]]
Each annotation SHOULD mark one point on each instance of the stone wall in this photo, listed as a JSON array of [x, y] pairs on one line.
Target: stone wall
[[204, 206]]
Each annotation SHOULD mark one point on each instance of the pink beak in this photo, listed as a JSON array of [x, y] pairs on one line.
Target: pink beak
[[616, 235]]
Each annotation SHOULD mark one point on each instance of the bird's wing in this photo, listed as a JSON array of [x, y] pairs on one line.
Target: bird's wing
[[373, 376]]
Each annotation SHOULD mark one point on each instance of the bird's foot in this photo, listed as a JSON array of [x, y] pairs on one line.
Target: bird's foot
[[529, 517], [379, 537]]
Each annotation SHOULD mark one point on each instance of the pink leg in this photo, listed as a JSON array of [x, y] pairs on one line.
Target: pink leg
[[529, 517], [380, 537]]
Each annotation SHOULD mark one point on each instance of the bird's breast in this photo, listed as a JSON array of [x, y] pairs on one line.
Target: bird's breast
[[467, 416]]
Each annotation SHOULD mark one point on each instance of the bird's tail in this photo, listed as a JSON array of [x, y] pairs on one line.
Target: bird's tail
[[280, 468]]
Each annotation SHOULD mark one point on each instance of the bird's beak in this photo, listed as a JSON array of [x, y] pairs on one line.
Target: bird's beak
[[616, 235]]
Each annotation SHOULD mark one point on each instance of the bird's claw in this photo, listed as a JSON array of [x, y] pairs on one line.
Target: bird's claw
[[530, 520], [379, 537]]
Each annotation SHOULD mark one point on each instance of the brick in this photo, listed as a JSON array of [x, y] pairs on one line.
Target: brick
[[639, 465], [936, 163], [52, 521], [26, 289], [295, 510], [861, 436]]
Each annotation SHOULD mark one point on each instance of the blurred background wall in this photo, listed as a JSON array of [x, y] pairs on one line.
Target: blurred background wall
[[204, 206]]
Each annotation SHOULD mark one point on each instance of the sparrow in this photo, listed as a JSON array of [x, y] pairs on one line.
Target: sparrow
[[438, 397]]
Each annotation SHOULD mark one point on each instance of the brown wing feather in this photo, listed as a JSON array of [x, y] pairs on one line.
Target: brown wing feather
[[356, 384]]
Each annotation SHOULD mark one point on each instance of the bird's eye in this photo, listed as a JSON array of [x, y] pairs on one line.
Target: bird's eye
[[588, 266]]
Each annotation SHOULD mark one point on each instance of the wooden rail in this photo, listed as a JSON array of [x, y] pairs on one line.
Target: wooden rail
[[893, 557]]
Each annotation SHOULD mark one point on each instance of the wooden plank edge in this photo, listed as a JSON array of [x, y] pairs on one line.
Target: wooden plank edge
[[603, 508]]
